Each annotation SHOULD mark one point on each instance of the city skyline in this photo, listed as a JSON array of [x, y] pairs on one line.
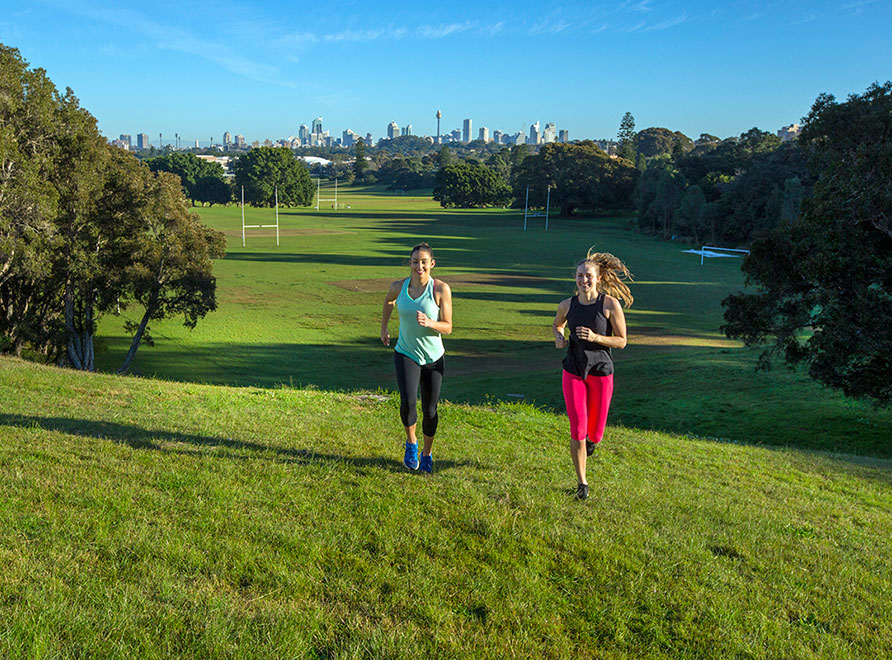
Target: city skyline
[[263, 71], [308, 136]]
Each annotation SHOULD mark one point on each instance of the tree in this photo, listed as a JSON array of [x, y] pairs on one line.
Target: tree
[[360, 164], [824, 277], [689, 215], [71, 208], [202, 180], [581, 177], [468, 185], [81, 163], [626, 137], [212, 190], [658, 195], [29, 240], [657, 141], [445, 157], [170, 269], [263, 169]]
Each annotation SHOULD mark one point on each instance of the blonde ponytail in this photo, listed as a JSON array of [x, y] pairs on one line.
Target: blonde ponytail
[[611, 272]]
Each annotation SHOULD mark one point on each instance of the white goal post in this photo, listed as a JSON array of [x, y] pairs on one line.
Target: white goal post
[[709, 251], [527, 213], [244, 226], [330, 199]]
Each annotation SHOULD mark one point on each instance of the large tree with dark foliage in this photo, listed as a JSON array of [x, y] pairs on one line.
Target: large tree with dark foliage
[[581, 177], [469, 185], [823, 280], [657, 141], [73, 214], [202, 180], [264, 170]]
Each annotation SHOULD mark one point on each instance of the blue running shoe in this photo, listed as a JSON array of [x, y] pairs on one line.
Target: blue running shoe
[[410, 458], [426, 464]]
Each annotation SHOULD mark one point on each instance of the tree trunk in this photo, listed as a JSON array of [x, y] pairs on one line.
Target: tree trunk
[[80, 340], [137, 338]]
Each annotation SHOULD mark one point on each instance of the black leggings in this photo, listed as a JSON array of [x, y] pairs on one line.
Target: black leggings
[[408, 375]]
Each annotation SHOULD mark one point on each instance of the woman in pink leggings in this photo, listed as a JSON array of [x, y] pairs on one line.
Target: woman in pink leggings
[[597, 325]]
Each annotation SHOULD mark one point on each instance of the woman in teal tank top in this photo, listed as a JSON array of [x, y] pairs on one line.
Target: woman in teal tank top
[[424, 305]]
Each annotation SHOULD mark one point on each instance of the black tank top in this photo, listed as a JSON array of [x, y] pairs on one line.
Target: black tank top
[[587, 357]]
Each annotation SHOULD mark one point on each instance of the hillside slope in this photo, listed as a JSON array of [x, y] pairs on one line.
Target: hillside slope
[[150, 519]]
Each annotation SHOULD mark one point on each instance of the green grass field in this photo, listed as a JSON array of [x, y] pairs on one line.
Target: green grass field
[[144, 519], [308, 313], [249, 501]]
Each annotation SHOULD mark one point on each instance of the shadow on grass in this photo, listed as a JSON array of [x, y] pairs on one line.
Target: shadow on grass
[[139, 438]]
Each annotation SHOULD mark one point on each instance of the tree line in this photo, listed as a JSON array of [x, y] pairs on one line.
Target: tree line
[[86, 229]]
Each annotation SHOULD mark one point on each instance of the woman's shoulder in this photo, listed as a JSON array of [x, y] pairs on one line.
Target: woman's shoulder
[[610, 302], [397, 285], [565, 303], [441, 287]]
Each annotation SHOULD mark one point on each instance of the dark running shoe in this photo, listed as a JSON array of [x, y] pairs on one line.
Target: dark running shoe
[[426, 464], [590, 447], [582, 492]]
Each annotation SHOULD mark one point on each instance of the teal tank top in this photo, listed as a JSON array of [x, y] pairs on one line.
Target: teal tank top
[[423, 345]]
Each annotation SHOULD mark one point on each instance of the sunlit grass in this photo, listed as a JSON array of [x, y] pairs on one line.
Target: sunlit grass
[[148, 519]]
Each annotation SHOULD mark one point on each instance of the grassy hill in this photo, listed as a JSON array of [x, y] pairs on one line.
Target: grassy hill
[[151, 519]]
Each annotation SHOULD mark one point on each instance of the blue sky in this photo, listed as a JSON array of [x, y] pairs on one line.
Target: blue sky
[[262, 69]]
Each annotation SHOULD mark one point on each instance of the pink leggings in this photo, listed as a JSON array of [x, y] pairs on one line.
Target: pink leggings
[[587, 404]]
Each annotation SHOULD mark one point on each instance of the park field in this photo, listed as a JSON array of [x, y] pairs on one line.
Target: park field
[[244, 497], [307, 314]]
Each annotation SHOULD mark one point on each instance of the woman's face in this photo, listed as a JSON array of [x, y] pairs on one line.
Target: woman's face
[[421, 263], [586, 278]]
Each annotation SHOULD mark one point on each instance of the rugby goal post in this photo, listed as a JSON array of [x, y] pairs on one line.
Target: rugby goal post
[[329, 199], [527, 213], [244, 226], [710, 251]]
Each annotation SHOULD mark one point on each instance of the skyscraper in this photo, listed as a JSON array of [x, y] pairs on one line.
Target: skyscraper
[[142, 141], [227, 138], [564, 136], [393, 130], [484, 134], [407, 130], [317, 126], [550, 133], [534, 134], [466, 131], [304, 134], [125, 138], [497, 137]]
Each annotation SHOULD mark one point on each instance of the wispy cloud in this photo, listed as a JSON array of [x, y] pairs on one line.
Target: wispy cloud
[[631, 5], [440, 31], [804, 19], [387, 34], [669, 23], [550, 26]]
